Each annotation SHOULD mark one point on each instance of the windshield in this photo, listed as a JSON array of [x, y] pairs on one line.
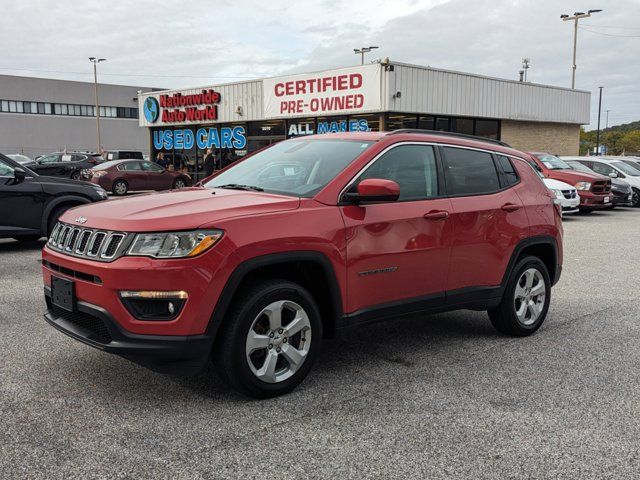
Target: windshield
[[626, 169], [553, 163], [299, 168], [579, 166], [20, 158]]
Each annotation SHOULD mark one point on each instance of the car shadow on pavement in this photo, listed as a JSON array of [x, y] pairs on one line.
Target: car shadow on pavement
[[391, 345], [10, 245]]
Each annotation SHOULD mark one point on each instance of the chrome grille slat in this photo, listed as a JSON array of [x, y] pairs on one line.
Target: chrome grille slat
[[96, 244]]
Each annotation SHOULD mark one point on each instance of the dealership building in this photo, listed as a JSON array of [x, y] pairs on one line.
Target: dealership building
[[241, 117], [42, 115]]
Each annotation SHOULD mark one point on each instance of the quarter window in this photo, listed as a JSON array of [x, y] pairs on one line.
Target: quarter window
[[510, 175], [412, 167], [470, 172]]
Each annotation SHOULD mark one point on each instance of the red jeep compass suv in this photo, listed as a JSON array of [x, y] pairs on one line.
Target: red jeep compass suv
[[300, 241]]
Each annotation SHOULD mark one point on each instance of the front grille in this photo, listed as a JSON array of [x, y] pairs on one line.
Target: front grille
[[569, 194], [601, 187], [72, 273], [97, 329], [102, 245]]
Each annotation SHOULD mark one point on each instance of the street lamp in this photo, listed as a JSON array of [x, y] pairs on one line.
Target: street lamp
[[576, 16], [95, 62], [362, 51], [598, 131]]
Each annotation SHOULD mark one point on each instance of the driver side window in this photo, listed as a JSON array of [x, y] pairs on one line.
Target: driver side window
[[6, 170], [412, 167], [49, 159]]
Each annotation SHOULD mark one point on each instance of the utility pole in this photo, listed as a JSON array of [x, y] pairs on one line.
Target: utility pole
[[362, 51], [95, 62], [576, 16], [598, 131]]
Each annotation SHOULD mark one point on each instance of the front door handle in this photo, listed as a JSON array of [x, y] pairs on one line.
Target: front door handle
[[510, 207], [436, 215]]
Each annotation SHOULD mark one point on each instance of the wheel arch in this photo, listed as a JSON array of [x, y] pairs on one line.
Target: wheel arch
[[543, 247], [297, 266], [71, 200]]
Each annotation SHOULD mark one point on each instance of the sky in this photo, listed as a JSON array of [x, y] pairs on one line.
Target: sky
[[174, 44]]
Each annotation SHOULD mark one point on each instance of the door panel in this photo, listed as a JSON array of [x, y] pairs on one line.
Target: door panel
[[21, 204], [399, 250], [394, 252]]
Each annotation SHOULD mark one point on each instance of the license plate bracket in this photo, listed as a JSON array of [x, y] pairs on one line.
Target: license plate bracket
[[63, 293]]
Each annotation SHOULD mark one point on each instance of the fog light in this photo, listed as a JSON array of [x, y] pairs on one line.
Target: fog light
[[154, 305]]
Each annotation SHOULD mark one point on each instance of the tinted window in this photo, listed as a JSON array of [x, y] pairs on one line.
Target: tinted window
[[602, 168], [151, 167], [49, 159], [131, 166], [470, 172], [412, 167], [6, 170], [510, 175]]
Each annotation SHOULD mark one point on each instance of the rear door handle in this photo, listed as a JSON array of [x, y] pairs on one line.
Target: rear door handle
[[436, 215], [510, 207]]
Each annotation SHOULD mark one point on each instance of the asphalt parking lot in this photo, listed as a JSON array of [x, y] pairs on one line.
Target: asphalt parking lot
[[426, 397]]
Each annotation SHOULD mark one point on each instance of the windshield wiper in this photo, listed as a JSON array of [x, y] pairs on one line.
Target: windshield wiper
[[237, 186]]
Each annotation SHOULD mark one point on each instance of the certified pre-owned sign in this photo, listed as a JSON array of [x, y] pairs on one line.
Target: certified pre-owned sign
[[348, 90]]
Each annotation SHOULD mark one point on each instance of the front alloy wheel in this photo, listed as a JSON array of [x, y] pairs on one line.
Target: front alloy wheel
[[269, 340], [278, 341]]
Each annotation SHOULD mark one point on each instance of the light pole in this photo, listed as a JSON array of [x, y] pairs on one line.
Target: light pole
[[95, 62], [607, 122], [362, 51], [526, 63], [598, 131], [576, 16]]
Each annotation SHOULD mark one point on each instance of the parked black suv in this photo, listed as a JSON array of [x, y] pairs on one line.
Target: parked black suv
[[69, 165], [30, 204]]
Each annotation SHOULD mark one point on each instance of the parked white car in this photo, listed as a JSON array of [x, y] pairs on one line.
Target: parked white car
[[614, 168], [565, 193]]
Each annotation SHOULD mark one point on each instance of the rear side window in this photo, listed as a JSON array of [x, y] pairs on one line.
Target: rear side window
[[130, 166], [412, 167], [470, 172], [509, 175]]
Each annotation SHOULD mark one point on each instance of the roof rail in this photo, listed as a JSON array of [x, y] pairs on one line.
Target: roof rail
[[449, 134]]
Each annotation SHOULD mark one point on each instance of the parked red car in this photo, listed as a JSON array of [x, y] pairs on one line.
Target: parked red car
[[300, 241], [122, 176], [594, 189]]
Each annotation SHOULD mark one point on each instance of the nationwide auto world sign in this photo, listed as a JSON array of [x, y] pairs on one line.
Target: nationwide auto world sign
[[179, 108], [334, 92]]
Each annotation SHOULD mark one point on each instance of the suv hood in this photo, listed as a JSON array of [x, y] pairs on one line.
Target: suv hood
[[178, 210], [573, 176]]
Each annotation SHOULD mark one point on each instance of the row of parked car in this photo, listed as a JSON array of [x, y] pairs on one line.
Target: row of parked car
[[117, 171], [585, 184]]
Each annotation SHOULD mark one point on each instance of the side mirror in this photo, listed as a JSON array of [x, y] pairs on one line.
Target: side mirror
[[375, 190], [19, 175], [613, 174]]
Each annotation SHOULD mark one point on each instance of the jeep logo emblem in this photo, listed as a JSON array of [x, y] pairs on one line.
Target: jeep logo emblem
[[81, 220]]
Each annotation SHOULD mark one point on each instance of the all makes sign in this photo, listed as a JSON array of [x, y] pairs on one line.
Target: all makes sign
[[347, 90]]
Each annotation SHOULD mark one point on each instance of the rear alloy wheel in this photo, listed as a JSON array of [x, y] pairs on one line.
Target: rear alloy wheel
[[120, 187], [525, 301], [270, 339], [179, 183]]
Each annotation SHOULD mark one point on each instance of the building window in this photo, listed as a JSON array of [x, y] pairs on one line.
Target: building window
[[12, 106], [442, 124], [462, 125], [396, 121], [26, 107], [426, 122], [4, 105], [487, 128], [365, 122], [47, 108]]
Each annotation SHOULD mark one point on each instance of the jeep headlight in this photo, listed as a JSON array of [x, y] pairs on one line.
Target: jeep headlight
[[583, 186], [174, 244]]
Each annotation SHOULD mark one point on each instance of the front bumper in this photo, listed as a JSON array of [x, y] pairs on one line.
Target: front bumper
[[593, 201], [622, 199], [94, 326]]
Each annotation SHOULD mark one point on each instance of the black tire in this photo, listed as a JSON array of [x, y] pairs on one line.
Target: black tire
[[75, 175], [636, 197], [504, 317], [55, 215], [179, 183], [120, 187], [229, 355]]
